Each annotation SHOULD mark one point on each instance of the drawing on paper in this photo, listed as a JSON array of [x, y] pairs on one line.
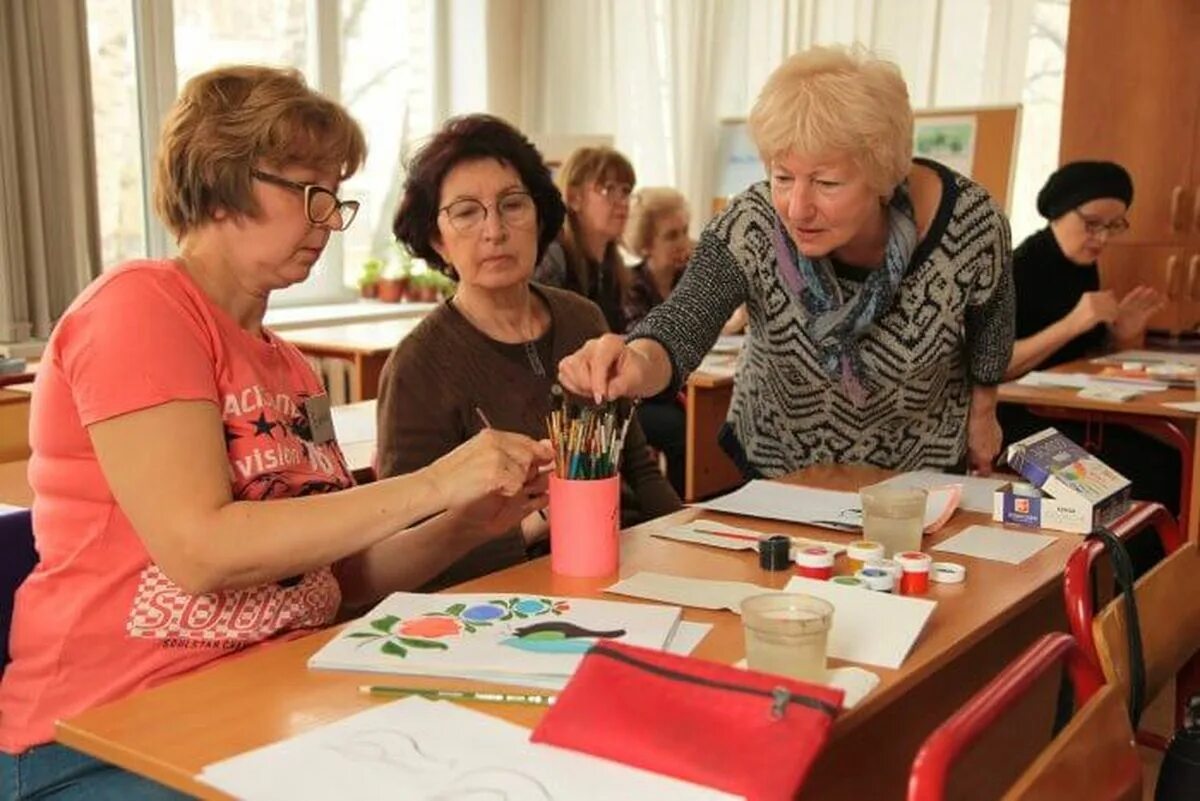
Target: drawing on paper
[[395, 636]]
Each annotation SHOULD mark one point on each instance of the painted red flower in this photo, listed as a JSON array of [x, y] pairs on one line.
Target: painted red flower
[[430, 627]]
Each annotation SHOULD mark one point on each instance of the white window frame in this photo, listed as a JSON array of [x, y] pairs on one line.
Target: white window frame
[[154, 59]]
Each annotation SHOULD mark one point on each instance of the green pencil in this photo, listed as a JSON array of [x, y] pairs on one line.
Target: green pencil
[[459, 695]]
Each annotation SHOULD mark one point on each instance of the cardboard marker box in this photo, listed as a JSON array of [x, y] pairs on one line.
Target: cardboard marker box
[[1071, 489]]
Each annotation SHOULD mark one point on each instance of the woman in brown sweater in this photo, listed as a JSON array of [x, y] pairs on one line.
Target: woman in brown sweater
[[479, 204]]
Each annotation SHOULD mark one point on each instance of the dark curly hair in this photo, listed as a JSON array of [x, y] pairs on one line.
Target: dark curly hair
[[468, 138]]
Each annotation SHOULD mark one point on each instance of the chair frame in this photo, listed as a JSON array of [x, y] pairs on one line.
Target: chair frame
[[1079, 591], [942, 748]]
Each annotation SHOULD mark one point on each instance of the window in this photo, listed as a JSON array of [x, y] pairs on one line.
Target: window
[[115, 117], [1041, 113], [209, 33], [374, 56], [391, 96]]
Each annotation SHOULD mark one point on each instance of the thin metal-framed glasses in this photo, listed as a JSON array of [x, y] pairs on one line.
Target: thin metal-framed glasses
[[321, 206], [467, 215], [1094, 228]]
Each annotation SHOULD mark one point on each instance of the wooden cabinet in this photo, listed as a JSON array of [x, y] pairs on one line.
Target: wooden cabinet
[[1132, 95]]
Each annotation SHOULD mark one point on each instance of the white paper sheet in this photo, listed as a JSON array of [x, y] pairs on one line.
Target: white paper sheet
[[1185, 406], [976, 492], [354, 422], [997, 544], [1150, 357], [874, 628], [685, 591], [734, 538], [433, 751], [7, 509], [688, 635], [778, 501], [1039, 378]]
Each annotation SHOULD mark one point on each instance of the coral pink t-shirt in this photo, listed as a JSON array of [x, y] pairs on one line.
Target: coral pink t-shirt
[[97, 619]]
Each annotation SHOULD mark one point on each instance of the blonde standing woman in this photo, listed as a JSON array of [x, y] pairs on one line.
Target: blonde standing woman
[[174, 436], [879, 289]]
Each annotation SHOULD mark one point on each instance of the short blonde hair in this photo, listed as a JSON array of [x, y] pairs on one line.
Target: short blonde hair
[[838, 99], [649, 206], [228, 119]]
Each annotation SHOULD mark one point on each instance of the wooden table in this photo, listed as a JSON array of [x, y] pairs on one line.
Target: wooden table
[[14, 484], [172, 731], [14, 425], [1145, 411], [365, 345]]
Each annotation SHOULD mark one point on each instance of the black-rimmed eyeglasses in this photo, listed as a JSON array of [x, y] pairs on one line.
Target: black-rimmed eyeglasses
[[1094, 227], [516, 210], [321, 206]]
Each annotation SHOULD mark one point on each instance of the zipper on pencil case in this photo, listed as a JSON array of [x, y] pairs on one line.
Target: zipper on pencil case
[[780, 696]]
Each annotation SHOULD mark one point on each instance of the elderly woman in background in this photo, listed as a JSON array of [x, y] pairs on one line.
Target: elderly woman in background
[[657, 233], [479, 204], [879, 289], [1064, 315], [596, 183], [173, 437]]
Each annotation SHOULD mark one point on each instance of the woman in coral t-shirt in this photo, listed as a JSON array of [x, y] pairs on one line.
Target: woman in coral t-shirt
[[164, 414]]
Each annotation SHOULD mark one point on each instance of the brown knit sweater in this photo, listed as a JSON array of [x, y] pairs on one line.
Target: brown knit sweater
[[445, 368]]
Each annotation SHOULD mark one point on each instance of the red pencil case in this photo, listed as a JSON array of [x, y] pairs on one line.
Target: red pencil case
[[743, 732]]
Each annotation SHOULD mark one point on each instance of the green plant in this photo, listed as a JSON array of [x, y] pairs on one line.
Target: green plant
[[372, 270]]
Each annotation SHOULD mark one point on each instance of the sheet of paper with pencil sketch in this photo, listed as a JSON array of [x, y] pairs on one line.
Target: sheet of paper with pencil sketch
[[433, 750]]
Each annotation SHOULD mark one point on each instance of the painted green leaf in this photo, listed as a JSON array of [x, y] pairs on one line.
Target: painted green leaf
[[357, 634], [468, 627], [499, 601], [543, 635], [385, 624], [521, 615], [457, 609], [409, 641], [394, 649], [508, 616]]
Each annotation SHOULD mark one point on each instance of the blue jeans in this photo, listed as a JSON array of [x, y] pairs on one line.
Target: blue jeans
[[54, 772]]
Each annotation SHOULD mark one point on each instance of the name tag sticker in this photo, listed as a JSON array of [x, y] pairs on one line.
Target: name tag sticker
[[320, 421]]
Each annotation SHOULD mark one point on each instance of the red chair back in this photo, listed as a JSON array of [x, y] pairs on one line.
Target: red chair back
[[1089, 732]]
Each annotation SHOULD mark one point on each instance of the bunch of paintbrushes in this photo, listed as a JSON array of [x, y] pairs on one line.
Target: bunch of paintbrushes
[[587, 440]]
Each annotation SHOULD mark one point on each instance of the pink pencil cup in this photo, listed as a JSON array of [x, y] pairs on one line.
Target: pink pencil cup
[[585, 521]]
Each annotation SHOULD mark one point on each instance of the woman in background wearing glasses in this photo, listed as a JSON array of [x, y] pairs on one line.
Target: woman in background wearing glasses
[[173, 436], [596, 183], [1063, 314], [479, 204]]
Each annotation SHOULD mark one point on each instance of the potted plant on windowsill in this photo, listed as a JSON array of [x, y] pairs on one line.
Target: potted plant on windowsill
[[368, 279], [395, 283]]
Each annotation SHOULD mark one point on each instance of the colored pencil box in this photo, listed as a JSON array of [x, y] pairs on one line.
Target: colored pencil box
[[740, 731]]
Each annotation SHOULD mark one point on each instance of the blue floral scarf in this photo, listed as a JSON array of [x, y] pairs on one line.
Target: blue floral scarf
[[836, 324]]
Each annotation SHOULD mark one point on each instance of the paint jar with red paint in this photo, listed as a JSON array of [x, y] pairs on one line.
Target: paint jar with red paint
[[916, 566], [815, 562]]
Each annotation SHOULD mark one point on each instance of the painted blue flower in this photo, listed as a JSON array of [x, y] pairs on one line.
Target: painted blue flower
[[530, 606], [482, 613]]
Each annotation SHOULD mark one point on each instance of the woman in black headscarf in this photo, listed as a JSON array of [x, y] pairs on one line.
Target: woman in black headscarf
[[1063, 314]]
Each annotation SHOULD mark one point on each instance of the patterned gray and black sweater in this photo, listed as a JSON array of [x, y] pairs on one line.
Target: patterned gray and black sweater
[[949, 328]]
